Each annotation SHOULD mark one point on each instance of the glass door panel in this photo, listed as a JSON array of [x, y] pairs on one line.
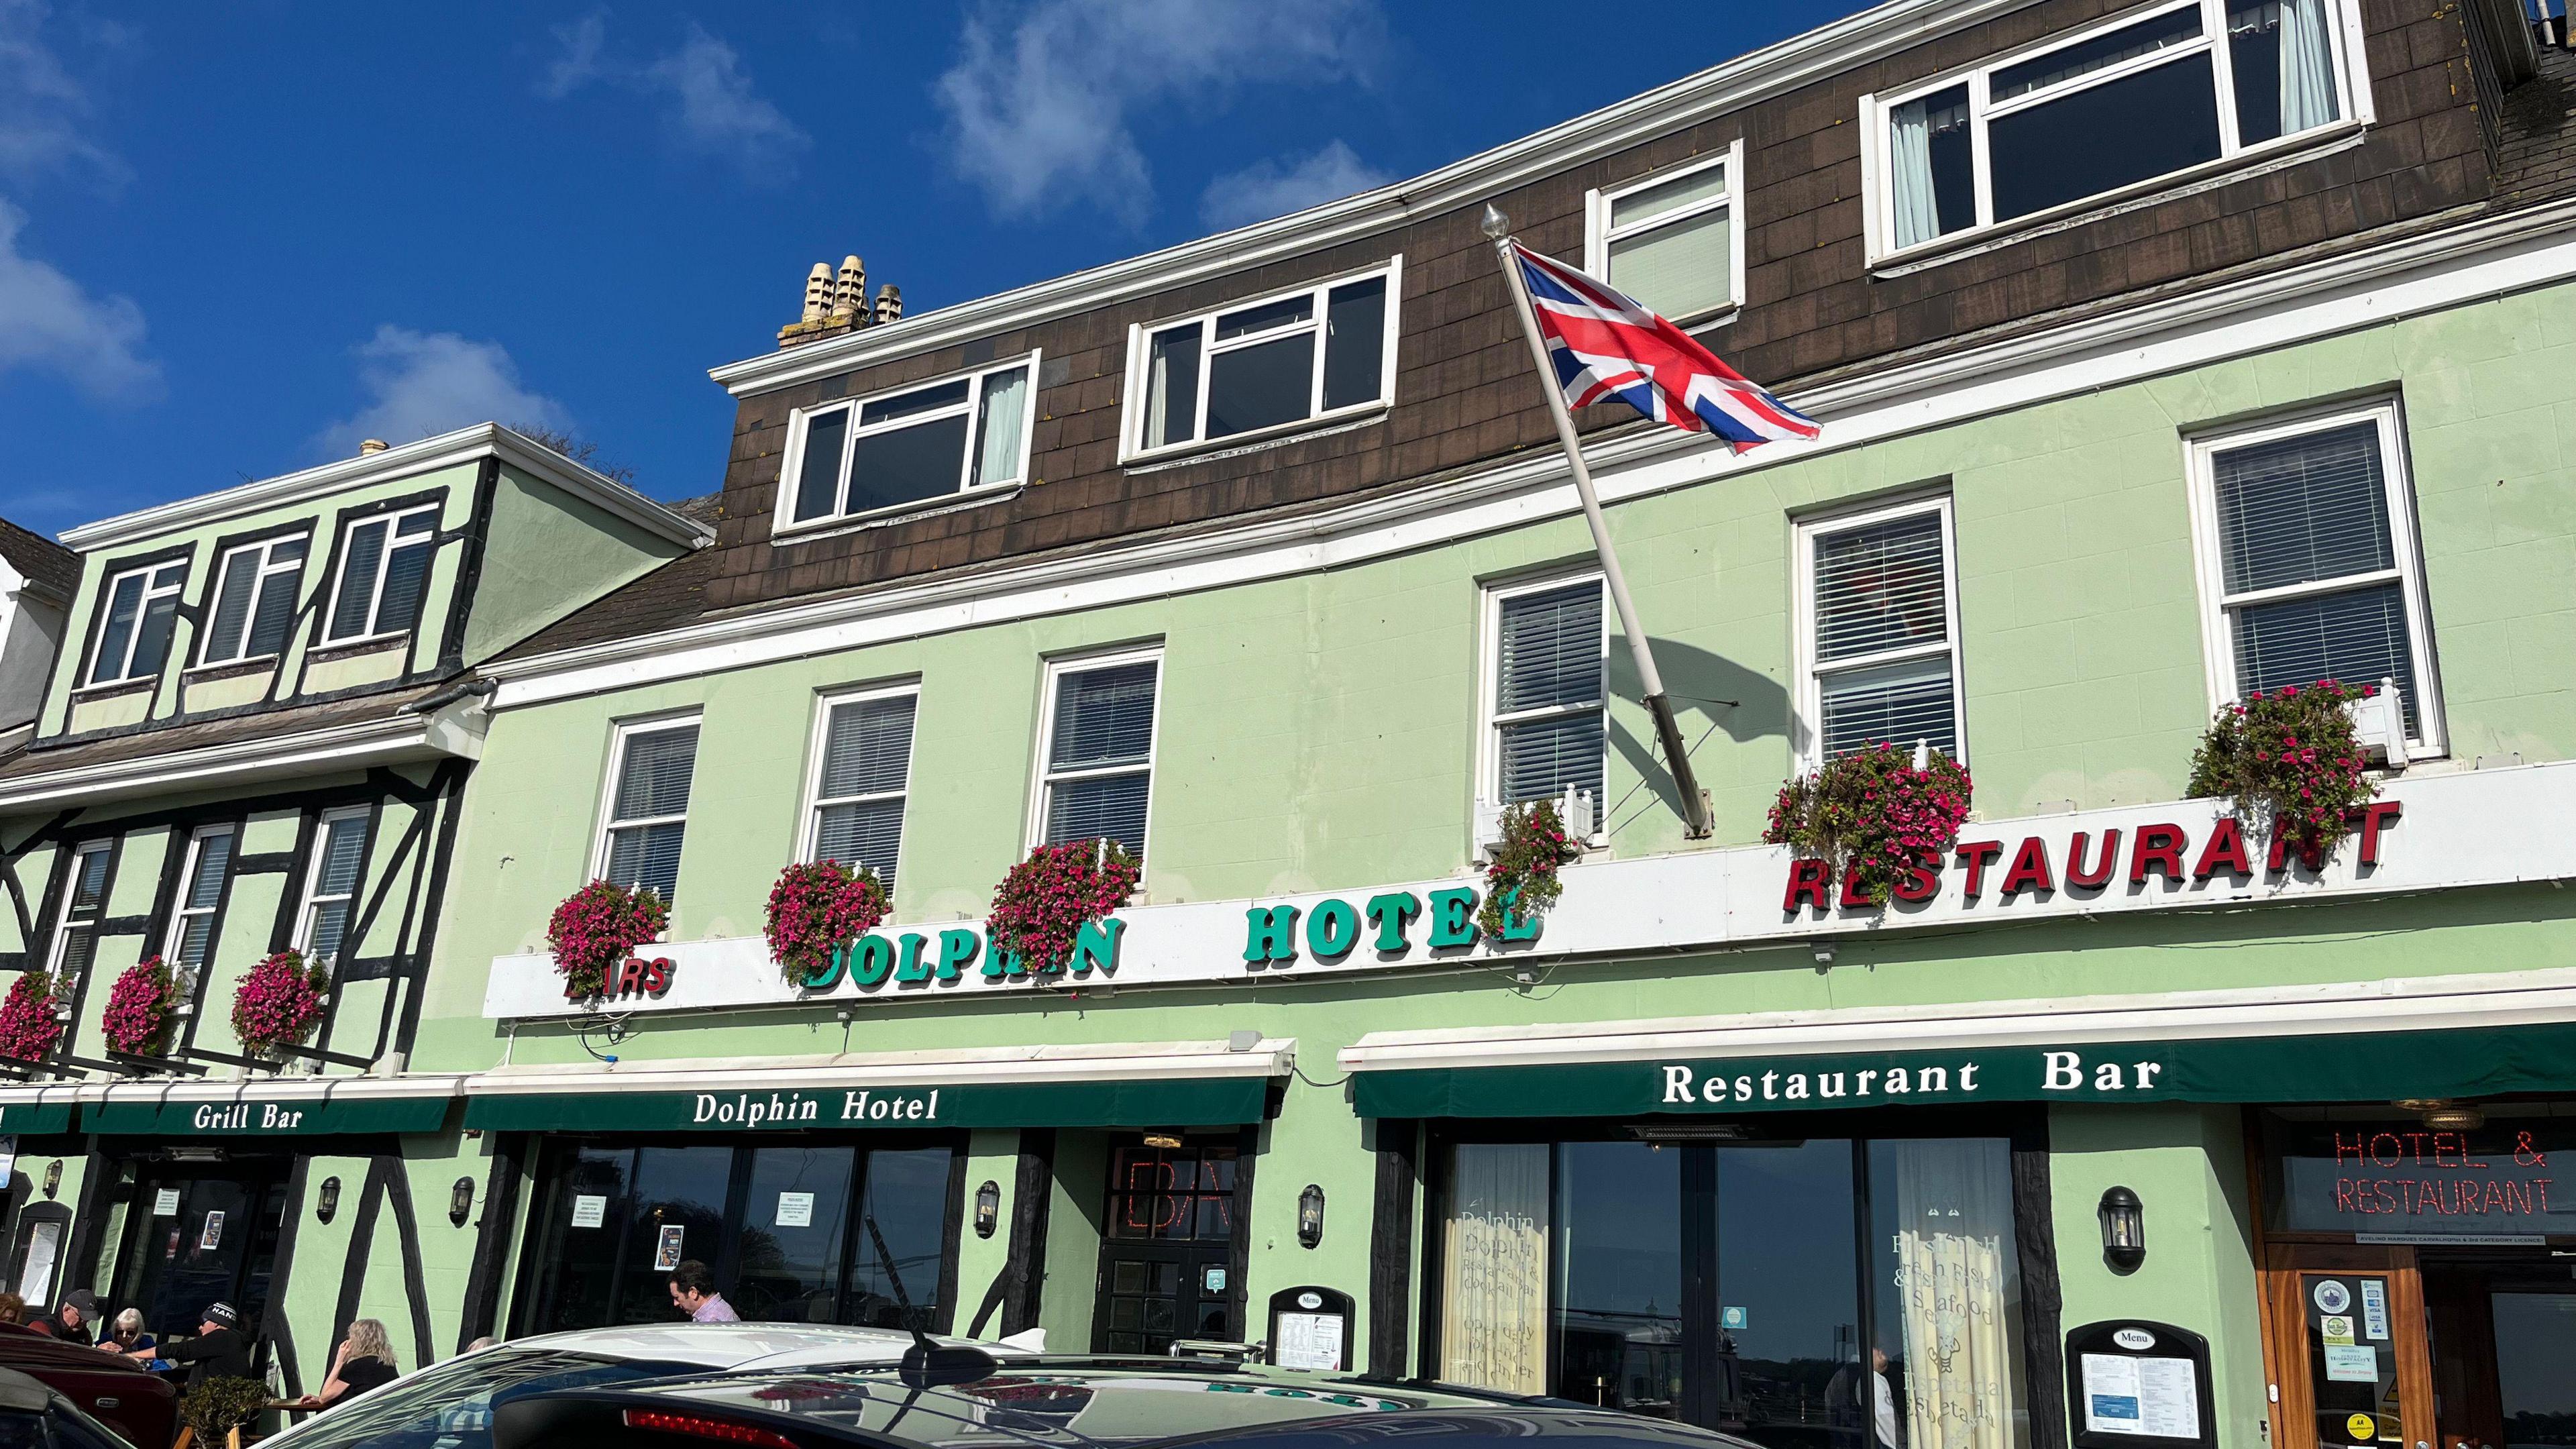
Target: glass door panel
[[794, 1222], [903, 1217], [2349, 1345], [1789, 1295], [576, 1240], [2535, 1338], [1166, 1263], [1618, 1308], [678, 1214]]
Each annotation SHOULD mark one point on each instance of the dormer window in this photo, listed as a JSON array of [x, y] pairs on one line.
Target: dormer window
[[140, 604], [2183, 88], [255, 600], [895, 449], [1264, 366], [384, 571]]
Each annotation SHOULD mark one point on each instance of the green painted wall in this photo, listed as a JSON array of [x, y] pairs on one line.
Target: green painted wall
[[549, 552]]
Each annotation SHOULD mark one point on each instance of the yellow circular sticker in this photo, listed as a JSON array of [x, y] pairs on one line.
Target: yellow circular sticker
[[2365, 1429]]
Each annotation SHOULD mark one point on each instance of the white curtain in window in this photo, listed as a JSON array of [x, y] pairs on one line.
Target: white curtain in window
[[2307, 66], [1005, 409], [1493, 1330], [1954, 1227], [1909, 160]]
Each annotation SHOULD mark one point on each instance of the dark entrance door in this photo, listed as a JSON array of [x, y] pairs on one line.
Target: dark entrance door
[[199, 1234], [1168, 1260], [2503, 1337]]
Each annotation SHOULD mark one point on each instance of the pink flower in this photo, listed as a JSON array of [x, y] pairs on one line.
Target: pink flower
[[278, 1002], [29, 1028], [138, 1008]]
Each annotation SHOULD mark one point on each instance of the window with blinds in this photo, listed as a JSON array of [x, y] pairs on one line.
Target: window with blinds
[[1548, 706], [331, 884], [84, 901], [1097, 765], [384, 571], [255, 601], [1673, 241], [1881, 645], [863, 762], [201, 897], [2314, 571], [648, 807]]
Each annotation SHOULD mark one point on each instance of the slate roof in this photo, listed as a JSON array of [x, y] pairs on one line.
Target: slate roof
[[52, 567]]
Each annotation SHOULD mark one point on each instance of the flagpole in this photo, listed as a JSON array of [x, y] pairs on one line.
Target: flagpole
[[1667, 729]]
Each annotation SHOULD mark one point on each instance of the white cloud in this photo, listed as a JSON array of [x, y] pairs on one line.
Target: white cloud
[[50, 322], [1266, 189], [709, 101], [1039, 101], [42, 108], [429, 382]]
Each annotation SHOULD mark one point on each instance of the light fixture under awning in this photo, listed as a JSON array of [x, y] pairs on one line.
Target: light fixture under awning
[[2465, 1036], [1166, 1084]]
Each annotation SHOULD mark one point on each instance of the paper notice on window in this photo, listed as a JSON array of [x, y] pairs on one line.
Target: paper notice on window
[[1309, 1341], [36, 1275], [589, 1211], [165, 1203], [666, 1249], [211, 1236], [2351, 1364], [796, 1210], [2153, 1398], [2374, 1308]]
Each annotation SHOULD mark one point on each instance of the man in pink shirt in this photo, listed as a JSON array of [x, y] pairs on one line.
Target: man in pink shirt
[[693, 1292]]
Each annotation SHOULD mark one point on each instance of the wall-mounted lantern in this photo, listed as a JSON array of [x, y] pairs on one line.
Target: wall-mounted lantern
[[988, 1208], [53, 1177], [1310, 1215], [460, 1201], [327, 1202], [2124, 1230]]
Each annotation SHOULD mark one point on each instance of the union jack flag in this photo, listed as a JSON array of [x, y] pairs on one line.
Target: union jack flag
[[1606, 344]]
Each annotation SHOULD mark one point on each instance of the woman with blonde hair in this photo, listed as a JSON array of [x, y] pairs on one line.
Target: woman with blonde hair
[[364, 1361]]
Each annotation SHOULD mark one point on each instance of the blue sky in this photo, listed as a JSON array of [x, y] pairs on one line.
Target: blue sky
[[234, 239]]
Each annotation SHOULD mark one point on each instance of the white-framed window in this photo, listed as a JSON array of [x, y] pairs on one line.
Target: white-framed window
[[1546, 691], [254, 603], [84, 902], [384, 571], [1673, 240], [2309, 568], [2160, 92], [1096, 749], [201, 898], [331, 883], [1878, 632], [1320, 352], [873, 454], [862, 755], [646, 814], [141, 604]]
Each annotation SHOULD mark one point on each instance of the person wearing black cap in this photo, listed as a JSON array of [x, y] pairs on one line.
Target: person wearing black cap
[[217, 1352], [74, 1320]]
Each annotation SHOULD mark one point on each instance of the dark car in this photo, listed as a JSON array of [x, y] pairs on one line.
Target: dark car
[[141, 1406], [33, 1416], [1067, 1403]]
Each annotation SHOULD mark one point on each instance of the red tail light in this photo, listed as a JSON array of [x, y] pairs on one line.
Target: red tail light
[[723, 1431]]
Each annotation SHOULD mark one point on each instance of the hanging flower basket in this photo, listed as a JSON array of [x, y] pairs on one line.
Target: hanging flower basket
[[1874, 814], [816, 906], [1048, 898], [140, 1009], [31, 1017], [598, 927], [1520, 873], [2292, 762], [279, 1002]]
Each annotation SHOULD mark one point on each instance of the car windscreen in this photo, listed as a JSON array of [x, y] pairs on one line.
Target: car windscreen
[[450, 1406]]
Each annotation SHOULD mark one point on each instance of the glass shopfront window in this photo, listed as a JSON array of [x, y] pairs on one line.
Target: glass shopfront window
[[796, 1231], [1817, 1293]]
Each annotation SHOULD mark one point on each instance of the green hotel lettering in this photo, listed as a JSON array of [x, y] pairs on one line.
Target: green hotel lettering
[[1333, 927], [912, 958]]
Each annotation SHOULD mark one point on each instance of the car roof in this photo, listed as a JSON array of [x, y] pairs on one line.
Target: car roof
[[729, 1345], [1091, 1401]]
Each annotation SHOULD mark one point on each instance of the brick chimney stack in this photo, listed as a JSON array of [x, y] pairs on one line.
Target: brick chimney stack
[[836, 301]]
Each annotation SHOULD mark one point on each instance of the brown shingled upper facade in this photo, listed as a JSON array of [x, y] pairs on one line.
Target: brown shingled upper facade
[[2423, 145]]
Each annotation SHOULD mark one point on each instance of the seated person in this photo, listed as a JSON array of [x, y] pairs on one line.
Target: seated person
[[365, 1360], [126, 1334]]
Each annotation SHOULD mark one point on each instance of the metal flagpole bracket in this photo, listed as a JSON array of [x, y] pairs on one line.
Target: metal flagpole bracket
[[1668, 730]]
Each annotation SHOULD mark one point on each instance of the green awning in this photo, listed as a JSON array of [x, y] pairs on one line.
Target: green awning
[[250, 1114], [35, 1118], [1160, 1102], [2324, 1067]]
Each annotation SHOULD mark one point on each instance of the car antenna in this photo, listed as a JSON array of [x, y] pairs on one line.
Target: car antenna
[[927, 1363]]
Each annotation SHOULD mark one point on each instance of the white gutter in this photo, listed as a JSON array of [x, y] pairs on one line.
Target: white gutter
[[277, 1089], [342, 747]]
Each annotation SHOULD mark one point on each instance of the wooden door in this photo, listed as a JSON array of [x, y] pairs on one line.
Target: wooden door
[[2349, 1357]]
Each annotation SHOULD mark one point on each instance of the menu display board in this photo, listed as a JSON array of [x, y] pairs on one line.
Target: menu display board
[[2135, 1383]]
